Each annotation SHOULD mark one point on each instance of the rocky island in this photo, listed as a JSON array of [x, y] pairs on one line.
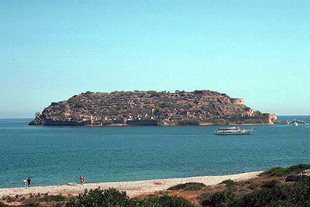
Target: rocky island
[[126, 108]]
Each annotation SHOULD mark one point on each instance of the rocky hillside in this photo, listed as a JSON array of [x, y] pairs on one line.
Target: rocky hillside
[[150, 108]]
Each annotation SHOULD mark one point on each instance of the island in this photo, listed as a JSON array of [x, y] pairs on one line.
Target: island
[[151, 108]]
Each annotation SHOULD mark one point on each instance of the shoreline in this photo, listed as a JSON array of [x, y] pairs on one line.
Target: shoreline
[[133, 188], [126, 125]]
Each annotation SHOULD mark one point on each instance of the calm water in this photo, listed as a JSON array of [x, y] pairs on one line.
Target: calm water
[[55, 155]]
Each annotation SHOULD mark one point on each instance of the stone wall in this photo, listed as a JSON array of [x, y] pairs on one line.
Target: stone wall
[[239, 101]]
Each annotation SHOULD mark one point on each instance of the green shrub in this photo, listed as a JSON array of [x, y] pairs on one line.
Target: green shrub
[[260, 197], [276, 194], [280, 172], [220, 199], [253, 186], [297, 168], [114, 198], [229, 183], [30, 205], [169, 201], [270, 184], [272, 194], [99, 198], [281, 204], [192, 186]]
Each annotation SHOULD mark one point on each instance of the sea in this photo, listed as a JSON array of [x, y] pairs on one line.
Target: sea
[[59, 155]]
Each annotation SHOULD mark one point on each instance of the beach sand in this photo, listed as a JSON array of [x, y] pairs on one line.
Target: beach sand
[[133, 188]]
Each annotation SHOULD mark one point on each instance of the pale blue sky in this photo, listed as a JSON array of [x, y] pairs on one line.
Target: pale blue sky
[[51, 50]]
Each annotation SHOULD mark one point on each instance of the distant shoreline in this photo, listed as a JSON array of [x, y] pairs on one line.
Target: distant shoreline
[[126, 125], [133, 188], [201, 124]]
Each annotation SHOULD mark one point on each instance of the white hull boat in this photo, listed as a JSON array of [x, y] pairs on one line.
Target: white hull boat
[[232, 131]]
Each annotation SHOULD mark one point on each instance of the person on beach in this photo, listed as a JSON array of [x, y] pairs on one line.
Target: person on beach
[[29, 181], [82, 179], [25, 183]]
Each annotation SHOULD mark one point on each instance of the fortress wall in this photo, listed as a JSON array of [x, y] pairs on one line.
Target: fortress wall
[[239, 101]]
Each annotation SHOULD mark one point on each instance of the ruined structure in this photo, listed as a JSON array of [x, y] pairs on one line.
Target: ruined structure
[[150, 108], [239, 101]]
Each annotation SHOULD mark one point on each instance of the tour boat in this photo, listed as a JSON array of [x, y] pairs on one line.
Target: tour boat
[[232, 131]]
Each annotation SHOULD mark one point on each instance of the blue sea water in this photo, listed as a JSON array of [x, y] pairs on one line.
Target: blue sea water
[[56, 155]]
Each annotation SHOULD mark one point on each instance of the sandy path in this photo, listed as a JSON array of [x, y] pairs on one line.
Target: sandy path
[[133, 188]]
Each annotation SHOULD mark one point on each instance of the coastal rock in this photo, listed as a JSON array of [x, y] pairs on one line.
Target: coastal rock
[[198, 107]]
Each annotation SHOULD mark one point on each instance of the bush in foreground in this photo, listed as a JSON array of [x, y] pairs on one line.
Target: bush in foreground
[[114, 198], [167, 201], [191, 186], [273, 194], [220, 199], [229, 183]]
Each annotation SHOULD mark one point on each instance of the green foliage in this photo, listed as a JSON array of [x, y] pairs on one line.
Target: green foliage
[[114, 198], [192, 186], [270, 184], [297, 168], [220, 199], [258, 113], [253, 186], [282, 204], [169, 201], [280, 172], [229, 183], [75, 103], [273, 194], [98, 198]]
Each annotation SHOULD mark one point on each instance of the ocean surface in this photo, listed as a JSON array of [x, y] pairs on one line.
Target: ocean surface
[[58, 155]]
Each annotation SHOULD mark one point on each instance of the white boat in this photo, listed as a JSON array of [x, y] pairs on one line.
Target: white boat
[[232, 131]]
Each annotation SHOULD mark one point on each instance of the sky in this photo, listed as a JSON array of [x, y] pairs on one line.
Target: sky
[[52, 50]]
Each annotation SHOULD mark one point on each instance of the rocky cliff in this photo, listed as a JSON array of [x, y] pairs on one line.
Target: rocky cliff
[[150, 108]]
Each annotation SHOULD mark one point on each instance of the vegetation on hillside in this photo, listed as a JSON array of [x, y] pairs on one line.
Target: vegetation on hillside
[[114, 198], [273, 194], [192, 186], [280, 172]]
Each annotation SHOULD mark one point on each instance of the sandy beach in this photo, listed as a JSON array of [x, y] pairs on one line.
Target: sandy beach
[[133, 188]]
